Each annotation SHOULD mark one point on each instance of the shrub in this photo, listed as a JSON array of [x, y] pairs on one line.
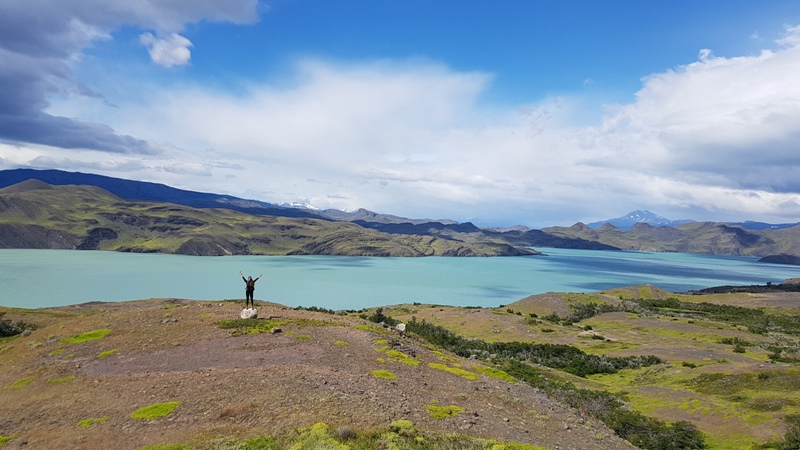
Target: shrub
[[379, 317], [557, 356], [443, 412], [317, 437], [316, 309], [642, 431], [9, 328]]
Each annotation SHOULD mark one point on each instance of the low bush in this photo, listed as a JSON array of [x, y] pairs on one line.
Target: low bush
[[9, 328]]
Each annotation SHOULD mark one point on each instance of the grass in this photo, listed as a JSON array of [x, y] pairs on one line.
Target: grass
[[398, 356], [155, 411], [383, 374], [85, 337], [494, 373], [62, 379], [106, 353], [5, 439], [455, 371], [240, 327], [400, 434], [169, 447], [87, 423], [19, 384]]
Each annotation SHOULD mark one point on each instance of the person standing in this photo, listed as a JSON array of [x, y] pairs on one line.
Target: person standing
[[250, 288]]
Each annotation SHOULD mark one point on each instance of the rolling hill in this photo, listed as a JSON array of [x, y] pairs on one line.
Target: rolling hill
[[383, 234], [34, 214]]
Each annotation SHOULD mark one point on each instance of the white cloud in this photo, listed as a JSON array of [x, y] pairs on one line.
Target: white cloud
[[172, 51], [719, 136], [41, 39]]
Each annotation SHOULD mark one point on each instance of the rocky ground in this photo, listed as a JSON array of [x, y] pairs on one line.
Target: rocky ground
[[319, 368]]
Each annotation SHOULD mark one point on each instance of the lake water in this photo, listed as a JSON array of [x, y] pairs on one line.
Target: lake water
[[42, 278]]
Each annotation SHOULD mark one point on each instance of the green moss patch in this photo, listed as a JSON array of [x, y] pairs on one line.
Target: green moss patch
[[19, 384], [384, 374], [106, 353], [398, 356], [443, 412], [85, 337], [5, 439], [173, 447], [86, 423], [455, 371], [256, 326], [494, 373], [61, 379], [155, 411], [342, 343]]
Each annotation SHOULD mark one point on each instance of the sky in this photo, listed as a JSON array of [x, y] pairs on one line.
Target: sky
[[529, 112]]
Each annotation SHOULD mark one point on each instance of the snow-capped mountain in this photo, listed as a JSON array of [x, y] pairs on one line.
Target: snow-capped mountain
[[632, 218]]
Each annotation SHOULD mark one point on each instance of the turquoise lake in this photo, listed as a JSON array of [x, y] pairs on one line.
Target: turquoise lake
[[43, 278]]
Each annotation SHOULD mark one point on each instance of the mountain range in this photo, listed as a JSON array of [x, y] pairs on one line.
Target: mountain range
[[56, 209], [628, 221]]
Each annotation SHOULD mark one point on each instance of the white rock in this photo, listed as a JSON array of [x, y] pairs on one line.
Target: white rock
[[249, 313]]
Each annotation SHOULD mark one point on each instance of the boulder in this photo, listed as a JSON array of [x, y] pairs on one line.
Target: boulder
[[249, 313]]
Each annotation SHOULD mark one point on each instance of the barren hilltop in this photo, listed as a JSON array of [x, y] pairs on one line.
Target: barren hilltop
[[77, 379], [629, 367]]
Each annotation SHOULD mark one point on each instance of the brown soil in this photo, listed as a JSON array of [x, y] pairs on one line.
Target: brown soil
[[249, 385]]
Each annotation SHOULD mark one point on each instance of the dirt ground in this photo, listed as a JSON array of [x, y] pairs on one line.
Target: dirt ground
[[317, 370]]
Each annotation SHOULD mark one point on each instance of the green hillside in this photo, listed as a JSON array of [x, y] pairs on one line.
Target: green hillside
[[712, 238], [36, 215]]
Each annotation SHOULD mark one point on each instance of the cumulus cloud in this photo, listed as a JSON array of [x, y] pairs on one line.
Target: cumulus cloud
[[719, 136], [172, 51], [737, 119], [39, 39]]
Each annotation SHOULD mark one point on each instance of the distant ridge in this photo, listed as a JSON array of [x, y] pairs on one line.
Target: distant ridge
[[146, 191], [627, 221]]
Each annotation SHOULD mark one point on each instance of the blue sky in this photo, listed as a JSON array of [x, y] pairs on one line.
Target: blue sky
[[519, 112]]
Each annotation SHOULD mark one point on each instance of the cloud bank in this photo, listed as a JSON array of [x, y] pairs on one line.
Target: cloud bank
[[713, 139], [41, 39]]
